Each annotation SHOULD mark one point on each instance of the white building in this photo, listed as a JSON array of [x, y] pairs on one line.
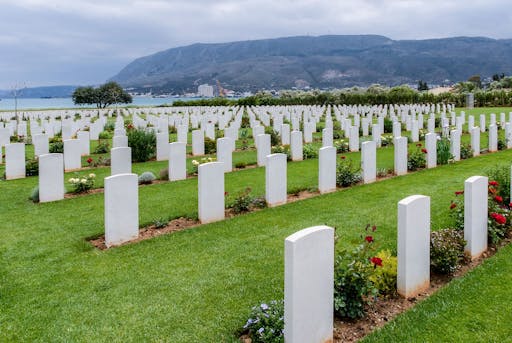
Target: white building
[[205, 91]]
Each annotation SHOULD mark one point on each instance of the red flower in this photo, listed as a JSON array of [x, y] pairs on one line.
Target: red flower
[[343, 157], [493, 183], [510, 205], [459, 192], [374, 227], [369, 239], [424, 150], [498, 198], [377, 261], [453, 205], [226, 194], [498, 218], [418, 145], [89, 160]]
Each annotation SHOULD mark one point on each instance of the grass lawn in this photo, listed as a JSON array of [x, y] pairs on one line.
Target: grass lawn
[[199, 285]]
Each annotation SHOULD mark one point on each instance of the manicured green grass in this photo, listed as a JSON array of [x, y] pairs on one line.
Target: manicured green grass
[[196, 285]]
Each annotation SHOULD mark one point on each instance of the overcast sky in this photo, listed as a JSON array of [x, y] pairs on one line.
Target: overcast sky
[[55, 42]]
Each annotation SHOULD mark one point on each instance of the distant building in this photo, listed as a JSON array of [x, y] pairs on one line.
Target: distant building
[[205, 91]]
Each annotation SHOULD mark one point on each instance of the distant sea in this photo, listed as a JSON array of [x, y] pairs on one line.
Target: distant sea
[[39, 103]]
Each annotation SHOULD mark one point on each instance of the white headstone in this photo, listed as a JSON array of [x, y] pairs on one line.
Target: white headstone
[[327, 169], [413, 250], [275, 179], [197, 143], [85, 142], [369, 161], [120, 161], [296, 148], [475, 141], [120, 142], [400, 158], [121, 209], [285, 134], [309, 286], [41, 144], [51, 177], [72, 154], [493, 138], [431, 146], [263, 148], [455, 144], [475, 215], [327, 137], [14, 161], [353, 140], [211, 192], [162, 146], [225, 153]]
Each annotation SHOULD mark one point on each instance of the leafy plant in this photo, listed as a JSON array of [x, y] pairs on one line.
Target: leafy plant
[[160, 223], [196, 163], [446, 250], [416, 159], [32, 167], [444, 154], [266, 323], [274, 137], [501, 175], [143, 144], [384, 277], [282, 149], [353, 288], [242, 201], [34, 195], [388, 125], [498, 222], [82, 184], [105, 135], [342, 146], [210, 146], [240, 165], [56, 148], [102, 148], [346, 174], [465, 151], [146, 178], [309, 151]]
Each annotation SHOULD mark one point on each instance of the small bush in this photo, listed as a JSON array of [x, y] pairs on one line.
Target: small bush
[[160, 223], [34, 195], [164, 174], [143, 145], [196, 163], [274, 137], [210, 146], [240, 165], [242, 202], [501, 144], [337, 134], [346, 174], [342, 146], [56, 148], [446, 250], [457, 210], [384, 277], [443, 151], [82, 184], [266, 323], [146, 178], [105, 135], [32, 167], [309, 151], [501, 175], [102, 148], [388, 125], [386, 140], [282, 149], [465, 151], [416, 159]]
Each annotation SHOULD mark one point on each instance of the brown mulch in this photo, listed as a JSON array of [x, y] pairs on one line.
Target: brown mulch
[[101, 190], [178, 224], [384, 310]]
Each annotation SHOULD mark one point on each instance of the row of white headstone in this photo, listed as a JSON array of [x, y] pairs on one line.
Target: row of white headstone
[[309, 262]]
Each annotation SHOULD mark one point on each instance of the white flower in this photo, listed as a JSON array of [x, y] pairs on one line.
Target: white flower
[[92, 176], [194, 162], [83, 181]]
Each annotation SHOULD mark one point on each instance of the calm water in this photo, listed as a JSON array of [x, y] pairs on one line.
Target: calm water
[[37, 103]]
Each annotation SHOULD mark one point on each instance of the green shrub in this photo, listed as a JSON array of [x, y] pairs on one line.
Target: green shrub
[[346, 174], [82, 184], [56, 148], [353, 288], [416, 159], [143, 145], [320, 126], [466, 151], [342, 146], [110, 126], [384, 277], [446, 250], [501, 144], [32, 167], [309, 151], [102, 148], [274, 137], [34, 195], [242, 201], [282, 149], [457, 210], [388, 125], [105, 135], [210, 146], [501, 174], [444, 154], [240, 165], [498, 221], [266, 323], [386, 140], [160, 223], [337, 134], [146, 178]]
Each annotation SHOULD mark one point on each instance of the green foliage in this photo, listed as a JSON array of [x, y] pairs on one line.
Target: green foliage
[[346, 174], [210, 146], [422, 86], [34, 194], [143, 144], [384, 277], [266, 323], [465, 151], [105, 135], [388, 125], [416, 159], [282, 149], [446, 250], [107, 94], [501, 175], [443, 151], [56, 148], [160, 223], [240, 165], [110, 126], [102, 148], [498, 221], [342, 146], [309, 151], [353, 288], [32, 167], [274, 137], [457, 210], [146, 178], [244, 201], [82, 184]]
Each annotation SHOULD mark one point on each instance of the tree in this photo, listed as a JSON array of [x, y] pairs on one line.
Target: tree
[[475, 79], [422, 85], [107, 94]]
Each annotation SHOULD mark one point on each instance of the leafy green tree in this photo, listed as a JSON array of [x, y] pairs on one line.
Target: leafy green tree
[[107, 94], [422, 85]]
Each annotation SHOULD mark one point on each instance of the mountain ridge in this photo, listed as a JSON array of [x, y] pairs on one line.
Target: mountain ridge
[[328, 61]]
